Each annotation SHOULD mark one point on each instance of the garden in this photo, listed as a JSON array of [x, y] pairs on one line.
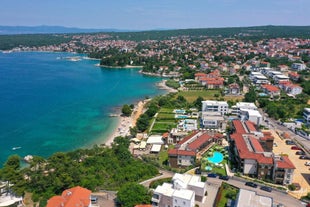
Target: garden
[[226, 192], [214, 160]]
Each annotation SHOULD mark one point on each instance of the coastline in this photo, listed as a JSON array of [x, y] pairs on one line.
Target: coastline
[[120, 67], [124, 123]]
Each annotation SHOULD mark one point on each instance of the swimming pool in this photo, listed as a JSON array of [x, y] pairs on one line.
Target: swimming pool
[[216, 158], [181, 116]]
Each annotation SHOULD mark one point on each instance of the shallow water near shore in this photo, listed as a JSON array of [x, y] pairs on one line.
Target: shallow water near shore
[[51, 102]]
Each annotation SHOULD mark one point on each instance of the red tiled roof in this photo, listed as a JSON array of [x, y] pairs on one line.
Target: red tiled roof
[[200, 75], [166, 135], [239, 127], [256, 145], [181, 152], [185, 139], [250, 125], [77, 197], [293, 74], [196, 144], [285, 163], [245, 153], [270, 88]]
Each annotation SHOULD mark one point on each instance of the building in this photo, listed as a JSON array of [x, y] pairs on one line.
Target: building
[[251, 115], [213, 120], [234, 89], [184, 153], [76, 196], [253, 153], [184, 190], [271, 90], [236, 109], [298, 66], [246, 198], [294, 76], [290, 88], [279, 78], [306, 115], [215, 106]]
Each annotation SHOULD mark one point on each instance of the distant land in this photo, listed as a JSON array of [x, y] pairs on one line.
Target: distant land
[[9, 30]]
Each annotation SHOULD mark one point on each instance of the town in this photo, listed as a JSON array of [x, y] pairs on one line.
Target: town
[[234, 131]]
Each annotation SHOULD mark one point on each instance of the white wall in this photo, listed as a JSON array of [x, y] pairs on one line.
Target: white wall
[[250, 166]]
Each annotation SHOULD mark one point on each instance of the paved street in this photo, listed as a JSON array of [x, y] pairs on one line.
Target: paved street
[[278, 197]]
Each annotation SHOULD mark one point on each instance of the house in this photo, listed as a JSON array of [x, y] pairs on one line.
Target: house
[[181, 158], [76, 196], [215, 106], [294, 76], [306, 115], [271, 90], [184, 190], [247, 198], [251, 115], [298, 66], [279, 78], [234, 89], [290, 88]]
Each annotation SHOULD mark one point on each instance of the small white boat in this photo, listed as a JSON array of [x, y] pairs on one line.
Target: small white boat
[[16, 148]]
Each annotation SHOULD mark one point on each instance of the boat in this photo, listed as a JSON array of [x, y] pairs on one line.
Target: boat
[[16, 148]]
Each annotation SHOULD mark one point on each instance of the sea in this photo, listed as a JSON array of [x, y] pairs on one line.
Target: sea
[[51, 102]]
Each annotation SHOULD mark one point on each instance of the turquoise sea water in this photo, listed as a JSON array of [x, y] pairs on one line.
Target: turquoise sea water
[[49, 103]]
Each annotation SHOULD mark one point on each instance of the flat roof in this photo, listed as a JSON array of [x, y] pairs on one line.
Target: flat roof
[[184, 194], [165, 189], [156, 148], [155, 139], [247, 198]]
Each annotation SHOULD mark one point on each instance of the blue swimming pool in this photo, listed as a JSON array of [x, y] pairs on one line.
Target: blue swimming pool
[[216, 158]]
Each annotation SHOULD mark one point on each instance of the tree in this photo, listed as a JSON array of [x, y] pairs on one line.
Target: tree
[[126, 110], [198, 103], [250, 96], [132, 194]]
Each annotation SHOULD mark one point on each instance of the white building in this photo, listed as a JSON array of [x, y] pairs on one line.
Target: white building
[[251, 115], [212, 120], [306, 115], [298, 66], [216, 106], [184, 191], [248, 198], [242, 105], [279, 78]]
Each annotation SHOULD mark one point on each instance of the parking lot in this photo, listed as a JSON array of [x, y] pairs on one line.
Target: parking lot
[[301, 173]]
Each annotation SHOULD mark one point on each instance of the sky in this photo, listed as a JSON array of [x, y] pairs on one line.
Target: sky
[[151, 14]]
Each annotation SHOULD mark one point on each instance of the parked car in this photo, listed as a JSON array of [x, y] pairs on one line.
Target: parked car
[[300, 152], [266, 188], [304, 157], [197, 171], [223, 177], [289, 142], [307, 163], [295, 148], [212, 175], [253, 185]]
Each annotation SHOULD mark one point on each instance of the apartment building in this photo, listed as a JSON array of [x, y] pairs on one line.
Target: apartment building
[[215, 106]]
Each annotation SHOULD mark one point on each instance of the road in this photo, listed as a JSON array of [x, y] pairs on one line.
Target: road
[[278, 197], [300, 140]]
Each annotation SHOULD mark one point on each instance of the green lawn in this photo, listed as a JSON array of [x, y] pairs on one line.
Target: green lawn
[[166, 110], [226, 192], [191, 96], [164, 116], [161, 127]]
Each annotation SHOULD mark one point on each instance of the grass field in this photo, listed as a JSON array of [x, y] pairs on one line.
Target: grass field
[[191, 96]]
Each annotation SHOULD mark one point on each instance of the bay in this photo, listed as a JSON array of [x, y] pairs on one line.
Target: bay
[[51, 102]]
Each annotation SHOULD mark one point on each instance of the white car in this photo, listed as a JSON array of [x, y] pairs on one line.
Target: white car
[[307, 163]]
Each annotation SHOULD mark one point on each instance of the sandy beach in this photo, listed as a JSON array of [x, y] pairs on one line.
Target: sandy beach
[[124, 123]]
